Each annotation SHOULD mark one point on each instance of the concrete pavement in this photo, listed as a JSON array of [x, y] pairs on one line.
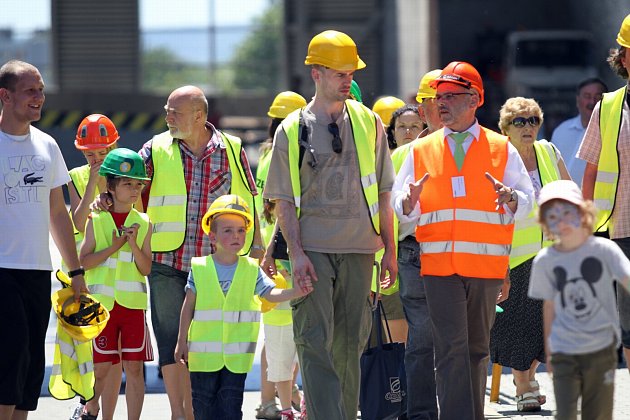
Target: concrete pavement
[[156, 404]]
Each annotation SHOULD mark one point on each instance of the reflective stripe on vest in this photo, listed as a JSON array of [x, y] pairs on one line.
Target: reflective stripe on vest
[[462, 235], [605, 191], [73, 368], [363, 125], [168, 195], [118, 278], [224, 328], [528, 236]]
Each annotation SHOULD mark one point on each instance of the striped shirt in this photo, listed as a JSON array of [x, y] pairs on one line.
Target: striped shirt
[[207, 178]]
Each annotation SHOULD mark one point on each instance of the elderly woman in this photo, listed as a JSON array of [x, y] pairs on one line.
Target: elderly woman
[[516, 339]]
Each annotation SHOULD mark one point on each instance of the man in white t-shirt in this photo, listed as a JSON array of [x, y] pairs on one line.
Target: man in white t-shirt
[[32, 172], [568, 135]]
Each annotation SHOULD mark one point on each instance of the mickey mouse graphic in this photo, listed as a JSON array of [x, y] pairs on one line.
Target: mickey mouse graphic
[[577, 295]]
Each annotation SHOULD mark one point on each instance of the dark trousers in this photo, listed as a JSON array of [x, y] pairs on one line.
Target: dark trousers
[[462, 311], [217, 395]]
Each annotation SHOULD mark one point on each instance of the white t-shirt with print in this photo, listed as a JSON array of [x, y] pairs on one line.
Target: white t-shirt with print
[[30, 167], [580, 284]]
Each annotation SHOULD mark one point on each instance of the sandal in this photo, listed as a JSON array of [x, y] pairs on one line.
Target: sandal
[[268, 411], [527, 402], [535, 387]]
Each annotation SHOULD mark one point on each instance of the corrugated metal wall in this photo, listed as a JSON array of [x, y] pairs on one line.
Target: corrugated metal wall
[[96, 44]]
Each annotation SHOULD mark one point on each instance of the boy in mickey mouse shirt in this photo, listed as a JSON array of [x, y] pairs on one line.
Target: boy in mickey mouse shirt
[[575, 278]]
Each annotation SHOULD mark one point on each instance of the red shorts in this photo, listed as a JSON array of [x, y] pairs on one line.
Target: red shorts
[[126, 333]]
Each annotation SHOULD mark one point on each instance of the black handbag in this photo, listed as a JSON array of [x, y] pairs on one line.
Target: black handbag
[[383, 380]]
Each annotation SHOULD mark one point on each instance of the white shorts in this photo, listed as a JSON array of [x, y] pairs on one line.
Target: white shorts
[[281, 353]]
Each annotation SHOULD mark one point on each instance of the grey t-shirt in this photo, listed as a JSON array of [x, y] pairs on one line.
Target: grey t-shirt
[[580, 283], [334, 216], [225, 274]]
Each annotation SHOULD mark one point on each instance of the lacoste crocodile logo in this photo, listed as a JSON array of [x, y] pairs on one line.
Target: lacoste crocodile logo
[[30, 179]]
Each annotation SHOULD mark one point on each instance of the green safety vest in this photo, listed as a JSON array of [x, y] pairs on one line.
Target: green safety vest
[[282, 314], [605, 192], [224, 328], [117, 278], [168, 196], [364, 133], [400, 154], [528, 236], [73, 368]]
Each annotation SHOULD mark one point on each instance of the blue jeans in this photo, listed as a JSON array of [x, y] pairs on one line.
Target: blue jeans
[[421, 392], [217, 395]]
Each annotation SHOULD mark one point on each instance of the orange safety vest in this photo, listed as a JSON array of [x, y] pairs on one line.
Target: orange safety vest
[[463, 235]]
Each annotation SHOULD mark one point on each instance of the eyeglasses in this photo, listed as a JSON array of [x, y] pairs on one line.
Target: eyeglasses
[[450, 96], [519, 122], [333, 129]]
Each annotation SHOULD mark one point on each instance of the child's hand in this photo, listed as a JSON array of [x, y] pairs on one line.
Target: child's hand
[[304, 288], [181, 353], [118, 241], [94, 168], [387, 283], [131, 233]]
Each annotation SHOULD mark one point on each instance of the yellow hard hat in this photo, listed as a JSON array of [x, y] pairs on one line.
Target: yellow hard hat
[[229, 203], [386, 106], [424, 90], [335, 50], [281, 283], [623, 37], [83, 320], [285, 103]]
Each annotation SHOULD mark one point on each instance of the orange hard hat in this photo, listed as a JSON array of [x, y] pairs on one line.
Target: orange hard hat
[[463, 74], [96, 131]]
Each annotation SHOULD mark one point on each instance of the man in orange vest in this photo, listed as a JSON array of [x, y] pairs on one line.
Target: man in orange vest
[[464, 185]]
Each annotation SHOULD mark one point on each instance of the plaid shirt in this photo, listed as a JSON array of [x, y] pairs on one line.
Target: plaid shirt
[[206, 179], [590, 150]]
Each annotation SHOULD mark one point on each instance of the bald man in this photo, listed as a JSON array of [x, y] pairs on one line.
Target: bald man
[[190, 165]]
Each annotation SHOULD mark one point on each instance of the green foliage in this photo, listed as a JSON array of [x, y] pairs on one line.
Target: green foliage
[[256, 62], [163, 71]]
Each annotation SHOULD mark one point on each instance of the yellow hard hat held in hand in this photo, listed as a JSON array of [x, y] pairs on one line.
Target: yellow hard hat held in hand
[[281, 283], [83, 320]]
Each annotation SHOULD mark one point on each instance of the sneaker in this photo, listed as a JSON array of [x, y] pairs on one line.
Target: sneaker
[[268, 410], [77, 411], [289, 414]]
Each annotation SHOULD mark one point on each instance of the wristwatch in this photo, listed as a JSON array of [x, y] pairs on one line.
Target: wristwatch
[[513, 196], [78, 272]]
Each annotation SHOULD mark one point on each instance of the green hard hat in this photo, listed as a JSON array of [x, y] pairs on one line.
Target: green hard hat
[[355, 92], [124, 163]]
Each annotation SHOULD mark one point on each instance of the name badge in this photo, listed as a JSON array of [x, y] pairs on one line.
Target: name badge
[[459, 186]]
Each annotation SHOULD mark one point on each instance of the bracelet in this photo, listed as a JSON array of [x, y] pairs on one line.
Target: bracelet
[[258, 247], [78, 272]]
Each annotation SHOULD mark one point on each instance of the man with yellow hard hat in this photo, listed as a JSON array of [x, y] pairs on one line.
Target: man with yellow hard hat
[[603, 147], [463, 185], [331, 177]]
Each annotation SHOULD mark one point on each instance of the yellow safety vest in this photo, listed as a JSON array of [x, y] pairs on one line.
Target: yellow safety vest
[[364, 133], [528, 236], [224, 328], [168, 196], [608, 167], [266, 229], [80, 177], [282, 314], [117, 278], [399, 156], [73, 368]]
